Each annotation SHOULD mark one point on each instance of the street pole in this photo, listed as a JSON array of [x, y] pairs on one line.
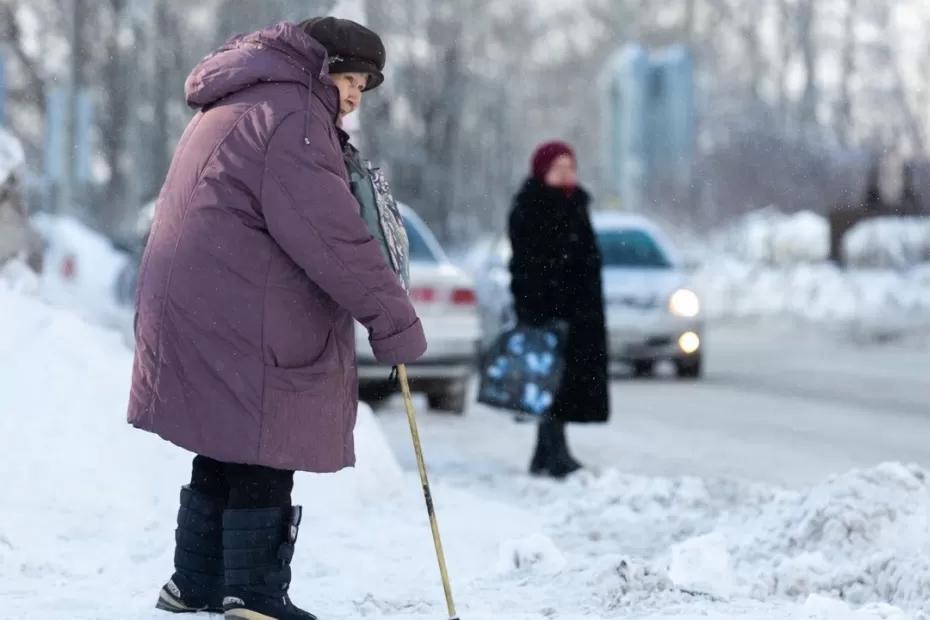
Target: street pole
[[64, 194], [689, 25]]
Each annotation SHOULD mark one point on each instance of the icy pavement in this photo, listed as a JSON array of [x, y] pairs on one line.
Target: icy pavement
[[88, 506]]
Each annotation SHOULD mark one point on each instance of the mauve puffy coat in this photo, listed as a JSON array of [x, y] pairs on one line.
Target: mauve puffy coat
[[256, 264]]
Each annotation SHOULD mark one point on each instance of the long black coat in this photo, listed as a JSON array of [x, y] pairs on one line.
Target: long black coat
[[556, 274]]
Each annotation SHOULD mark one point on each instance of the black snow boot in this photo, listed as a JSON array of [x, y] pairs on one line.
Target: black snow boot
[[561, 462], [258, 546], [539, 465], [197, 583]]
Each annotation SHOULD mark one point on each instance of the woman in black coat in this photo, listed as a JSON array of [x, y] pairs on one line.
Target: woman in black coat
[[556, 274]]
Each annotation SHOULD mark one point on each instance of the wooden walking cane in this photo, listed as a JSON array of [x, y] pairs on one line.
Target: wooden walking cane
[[421, 465]]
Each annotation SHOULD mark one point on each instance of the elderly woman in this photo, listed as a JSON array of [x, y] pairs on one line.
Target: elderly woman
[[256, 267]]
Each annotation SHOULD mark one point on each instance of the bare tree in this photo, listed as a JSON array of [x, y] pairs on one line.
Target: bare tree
[[806, 16], [844, 105], [474, 85]]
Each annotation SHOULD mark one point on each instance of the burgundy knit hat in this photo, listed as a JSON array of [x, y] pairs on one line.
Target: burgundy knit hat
[[545, 156]]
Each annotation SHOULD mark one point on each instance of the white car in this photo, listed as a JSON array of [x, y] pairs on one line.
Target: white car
[[652, 315], [445, 300]]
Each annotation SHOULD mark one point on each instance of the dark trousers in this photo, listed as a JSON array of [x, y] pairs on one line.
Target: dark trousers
[[242, 486], [551, 437], [552, 455]]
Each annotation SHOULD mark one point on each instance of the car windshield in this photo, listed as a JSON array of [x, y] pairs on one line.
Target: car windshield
[[631, 248], [420, 250]]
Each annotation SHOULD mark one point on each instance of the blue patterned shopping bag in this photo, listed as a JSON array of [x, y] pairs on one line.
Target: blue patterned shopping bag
[[523, 369]]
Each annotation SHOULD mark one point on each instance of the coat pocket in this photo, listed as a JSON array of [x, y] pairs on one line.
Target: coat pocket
[[304, 414]]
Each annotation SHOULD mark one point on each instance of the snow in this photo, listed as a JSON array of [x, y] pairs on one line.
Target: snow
[[533, 553], [18, 277], [863, 536], [89, 504], [90, 291], [888, 242], [770, 237], [770, 264], [703, 563], [819, 292], [11, 155]]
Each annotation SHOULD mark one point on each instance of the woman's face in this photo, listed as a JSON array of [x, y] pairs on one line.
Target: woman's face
[[351, 86], [563, 172]]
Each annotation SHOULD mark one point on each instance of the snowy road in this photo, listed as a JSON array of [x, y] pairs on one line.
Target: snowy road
[[784, 404]]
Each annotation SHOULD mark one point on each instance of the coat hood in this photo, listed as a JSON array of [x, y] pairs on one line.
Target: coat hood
[[281, 53]]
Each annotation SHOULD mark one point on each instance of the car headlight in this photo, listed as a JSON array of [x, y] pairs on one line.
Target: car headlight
[[689, 342], [684, 303]]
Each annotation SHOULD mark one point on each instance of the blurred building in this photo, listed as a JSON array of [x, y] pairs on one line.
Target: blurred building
[[647, 105]]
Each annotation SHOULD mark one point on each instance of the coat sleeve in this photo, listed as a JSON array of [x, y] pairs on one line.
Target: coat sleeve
[[312, 215]]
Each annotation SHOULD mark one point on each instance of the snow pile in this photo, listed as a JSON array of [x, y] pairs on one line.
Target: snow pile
[[814, 292], [819, 607], [661, 512], [771, 264], [81, 267], [17, 276], [536, 552], [855, 547], [70, 462], [377, 476], [888, 242], [862, 537], [770, 237], [11, 155], [628, 584], [703, 564]]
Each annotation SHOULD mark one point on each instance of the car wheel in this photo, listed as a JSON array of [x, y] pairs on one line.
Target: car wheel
[[689, 368], [449, 397], [643, 368]]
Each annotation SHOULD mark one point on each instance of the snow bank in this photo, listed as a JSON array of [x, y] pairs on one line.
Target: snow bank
[[377, 476], [535, 553], [854, 547], [17, 276], [888, 242], [703, 564], [770, 237], [81, 267], [768, 263], [814, 292], [824, 608], [862, 536]]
